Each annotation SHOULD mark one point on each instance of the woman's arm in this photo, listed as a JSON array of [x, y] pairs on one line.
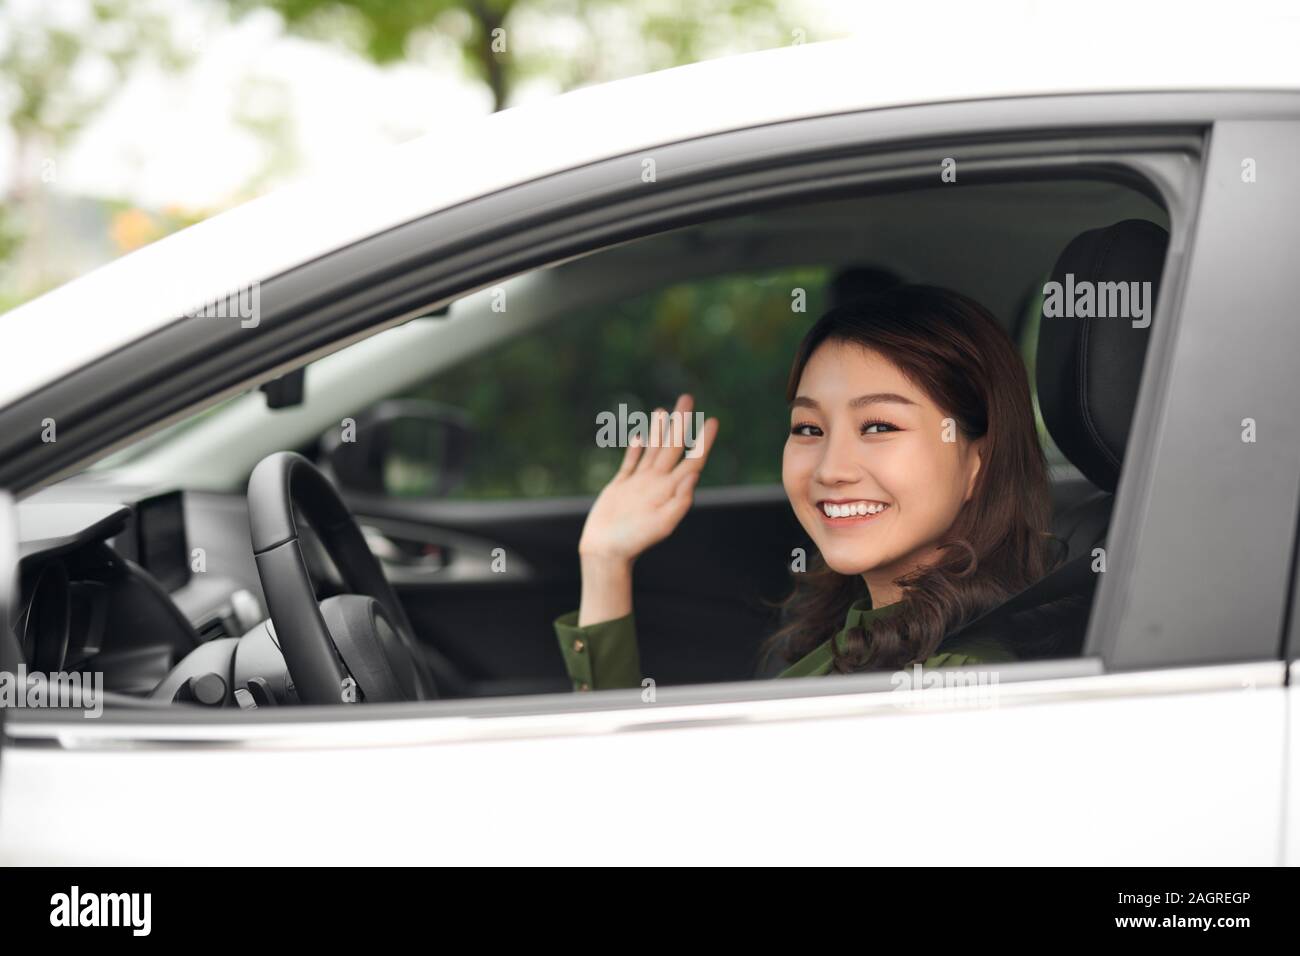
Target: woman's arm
[[600, 650], [640, 506], [599, 656], [606, 589]]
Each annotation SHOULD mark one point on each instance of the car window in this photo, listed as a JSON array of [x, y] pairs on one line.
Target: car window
[[491, 579]]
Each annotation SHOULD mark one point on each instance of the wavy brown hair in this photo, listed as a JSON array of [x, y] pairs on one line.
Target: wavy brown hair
[[953, 349]]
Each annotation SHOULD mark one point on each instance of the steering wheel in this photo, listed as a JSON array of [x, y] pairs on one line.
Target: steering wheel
[[357, 646]]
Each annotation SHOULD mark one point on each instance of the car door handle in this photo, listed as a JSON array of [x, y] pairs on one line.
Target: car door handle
[[407, 553]]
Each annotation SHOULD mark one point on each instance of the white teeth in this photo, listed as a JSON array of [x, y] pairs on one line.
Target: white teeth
[[852, 509]]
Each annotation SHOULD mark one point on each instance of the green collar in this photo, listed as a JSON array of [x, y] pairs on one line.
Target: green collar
[[861, 614], [818, 661]]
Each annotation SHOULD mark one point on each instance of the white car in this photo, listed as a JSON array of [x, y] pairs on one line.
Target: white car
[[469, 294]]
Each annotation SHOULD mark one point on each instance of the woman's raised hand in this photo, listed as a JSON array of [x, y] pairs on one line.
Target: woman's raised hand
[[652, 490]]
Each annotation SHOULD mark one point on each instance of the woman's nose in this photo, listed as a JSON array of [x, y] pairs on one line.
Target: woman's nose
[[839, 463]]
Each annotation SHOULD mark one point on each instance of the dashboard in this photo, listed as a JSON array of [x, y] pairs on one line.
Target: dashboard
[[110, 587]]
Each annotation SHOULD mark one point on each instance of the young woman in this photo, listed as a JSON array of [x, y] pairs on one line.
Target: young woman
[[913, 464]]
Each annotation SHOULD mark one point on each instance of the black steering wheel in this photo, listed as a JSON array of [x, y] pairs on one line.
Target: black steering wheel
[[353, 647]]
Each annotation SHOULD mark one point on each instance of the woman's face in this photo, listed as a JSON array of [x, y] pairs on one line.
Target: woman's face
[[875, 474]]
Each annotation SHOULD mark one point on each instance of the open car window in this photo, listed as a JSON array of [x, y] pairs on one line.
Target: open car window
[[472, 464]]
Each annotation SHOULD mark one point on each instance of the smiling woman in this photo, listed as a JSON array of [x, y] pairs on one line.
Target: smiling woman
[[912, 463], [913, 401]]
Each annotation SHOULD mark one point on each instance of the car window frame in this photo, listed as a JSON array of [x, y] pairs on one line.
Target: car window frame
[[1178, 601]]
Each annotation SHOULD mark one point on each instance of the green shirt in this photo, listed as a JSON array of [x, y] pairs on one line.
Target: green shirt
[[603, 656]]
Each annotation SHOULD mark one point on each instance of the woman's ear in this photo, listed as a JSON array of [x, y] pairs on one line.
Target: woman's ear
[[975, 458]]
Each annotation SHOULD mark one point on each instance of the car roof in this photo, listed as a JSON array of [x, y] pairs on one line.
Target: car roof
[[153, 286]]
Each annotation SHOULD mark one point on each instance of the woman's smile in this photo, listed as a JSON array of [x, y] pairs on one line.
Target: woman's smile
[[850, 512]]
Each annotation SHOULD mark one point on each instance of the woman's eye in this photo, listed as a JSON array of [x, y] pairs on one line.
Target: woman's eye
[[806, 431], [877, 428]]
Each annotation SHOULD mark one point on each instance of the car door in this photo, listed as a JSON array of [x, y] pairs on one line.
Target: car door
[[1108, 764], [1165, 743]]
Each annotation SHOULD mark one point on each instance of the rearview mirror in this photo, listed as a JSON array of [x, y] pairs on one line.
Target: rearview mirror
[[401, 448]]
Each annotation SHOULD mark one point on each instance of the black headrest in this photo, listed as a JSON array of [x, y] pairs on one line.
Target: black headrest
[[1090, 359]]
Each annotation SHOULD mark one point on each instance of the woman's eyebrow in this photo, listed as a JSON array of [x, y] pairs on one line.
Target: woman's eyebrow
[[803, 401]]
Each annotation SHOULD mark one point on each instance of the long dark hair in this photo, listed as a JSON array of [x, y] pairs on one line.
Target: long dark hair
[[953, 349]]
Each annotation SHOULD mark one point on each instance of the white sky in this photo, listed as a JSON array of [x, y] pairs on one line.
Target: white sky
[[171, 138]]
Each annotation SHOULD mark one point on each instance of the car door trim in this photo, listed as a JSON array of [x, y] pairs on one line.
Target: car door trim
[[566, 715]]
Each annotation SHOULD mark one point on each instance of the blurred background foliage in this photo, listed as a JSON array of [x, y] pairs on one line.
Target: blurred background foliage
[[665, 33], [728, 341]]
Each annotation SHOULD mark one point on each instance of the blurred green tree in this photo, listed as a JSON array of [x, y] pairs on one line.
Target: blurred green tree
[[571, 42], [728, 340]]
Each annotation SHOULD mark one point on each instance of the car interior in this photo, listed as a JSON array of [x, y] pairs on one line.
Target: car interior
[[424, 489]]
